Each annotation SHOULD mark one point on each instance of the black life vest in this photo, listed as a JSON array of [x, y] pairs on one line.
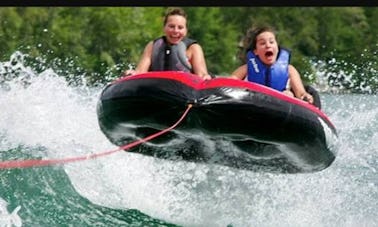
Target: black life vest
[[170, 57]]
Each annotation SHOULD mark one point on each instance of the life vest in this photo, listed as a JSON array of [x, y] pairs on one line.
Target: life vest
[[276, 76], [170, 57]]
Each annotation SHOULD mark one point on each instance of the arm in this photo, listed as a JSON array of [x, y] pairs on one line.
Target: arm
[[197, 60], [144, 63], [240, 73], [297, 85]]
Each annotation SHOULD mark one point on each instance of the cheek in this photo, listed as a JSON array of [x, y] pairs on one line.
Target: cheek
[[166, 30], [257, 52]]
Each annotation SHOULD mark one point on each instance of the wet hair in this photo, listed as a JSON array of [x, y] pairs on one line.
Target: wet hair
[[249, 40], [253, 33], [172, 12]]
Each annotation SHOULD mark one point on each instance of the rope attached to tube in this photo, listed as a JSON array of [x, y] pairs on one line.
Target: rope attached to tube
[[45, 162]]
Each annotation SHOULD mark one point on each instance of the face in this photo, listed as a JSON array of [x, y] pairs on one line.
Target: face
[[266, 48], [175, 29]]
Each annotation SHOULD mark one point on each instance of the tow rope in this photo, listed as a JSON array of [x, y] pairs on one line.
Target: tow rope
[[45, 162]]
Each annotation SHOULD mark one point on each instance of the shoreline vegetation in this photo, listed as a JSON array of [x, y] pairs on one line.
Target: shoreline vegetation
[[101, 42]]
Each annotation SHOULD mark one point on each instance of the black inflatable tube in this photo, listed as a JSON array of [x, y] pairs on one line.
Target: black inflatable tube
[[271, 131]]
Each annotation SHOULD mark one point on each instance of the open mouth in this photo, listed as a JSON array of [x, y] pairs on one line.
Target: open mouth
[[174, 39], [269, 54]]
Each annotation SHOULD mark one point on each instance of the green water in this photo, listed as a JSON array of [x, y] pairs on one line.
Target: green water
[[49, 119], [47, 198]]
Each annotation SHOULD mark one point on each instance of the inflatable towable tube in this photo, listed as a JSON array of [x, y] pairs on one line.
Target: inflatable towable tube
[[232, 122]]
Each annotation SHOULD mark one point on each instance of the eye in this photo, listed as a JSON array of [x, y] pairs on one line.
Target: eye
[[262, 43]]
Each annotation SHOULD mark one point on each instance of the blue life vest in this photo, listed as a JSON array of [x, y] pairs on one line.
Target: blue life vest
[[170, 57], [276, 76]]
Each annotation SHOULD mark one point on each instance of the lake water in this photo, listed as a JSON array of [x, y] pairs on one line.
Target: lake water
[[42, 117]]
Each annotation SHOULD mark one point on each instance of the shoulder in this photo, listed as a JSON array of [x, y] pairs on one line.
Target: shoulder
[[149, 45], [188, 42], [293, 71], [148, 49], [161, 39], [291, 68], [195, 48], [195, 45], [158, 42]]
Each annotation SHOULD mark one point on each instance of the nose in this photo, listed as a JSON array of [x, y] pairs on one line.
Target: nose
[[175, 29]]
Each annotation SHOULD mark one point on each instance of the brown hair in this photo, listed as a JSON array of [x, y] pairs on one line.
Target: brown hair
[[249, 40], [253, 33], [174, 11]]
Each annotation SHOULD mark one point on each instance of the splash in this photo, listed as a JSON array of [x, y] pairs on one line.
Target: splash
[[353, 76], [47, 105], [56, 119], [9, 219]]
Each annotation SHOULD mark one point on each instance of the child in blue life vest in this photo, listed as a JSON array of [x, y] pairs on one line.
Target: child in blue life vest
[[173, 51], [269, 65]]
